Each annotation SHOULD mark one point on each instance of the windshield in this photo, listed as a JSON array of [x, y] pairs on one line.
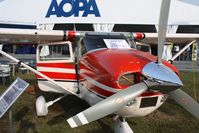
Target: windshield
[[101, 41]]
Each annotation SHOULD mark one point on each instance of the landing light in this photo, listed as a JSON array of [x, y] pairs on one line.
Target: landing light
[[131, 103], [164, 98]]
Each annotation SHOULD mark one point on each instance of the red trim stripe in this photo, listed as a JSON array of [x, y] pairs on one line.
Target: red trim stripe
[[106, 93], [148, 93], [98, 90], [54, 75], [57, 65]]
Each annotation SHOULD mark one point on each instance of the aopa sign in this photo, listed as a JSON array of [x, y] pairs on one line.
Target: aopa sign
[[86, 7]]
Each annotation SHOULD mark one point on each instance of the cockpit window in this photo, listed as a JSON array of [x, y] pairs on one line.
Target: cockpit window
[[54, 52], [97, 42]]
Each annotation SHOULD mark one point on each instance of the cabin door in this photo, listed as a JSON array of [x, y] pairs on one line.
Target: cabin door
[[56, 60]]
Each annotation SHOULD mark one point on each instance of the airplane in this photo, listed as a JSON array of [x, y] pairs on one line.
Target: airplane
[[102, 69]]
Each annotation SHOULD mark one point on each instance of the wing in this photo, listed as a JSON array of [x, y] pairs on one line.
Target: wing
[[152, 38], [33, 36], [43, 36]]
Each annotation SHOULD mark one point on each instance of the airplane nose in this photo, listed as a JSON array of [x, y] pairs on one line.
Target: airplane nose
[[161, 78]]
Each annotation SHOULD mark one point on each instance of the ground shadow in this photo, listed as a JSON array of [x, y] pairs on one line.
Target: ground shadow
[[166, 107], [56, 119], [73, 105], [104, 128], [65, 108], [25, 126], [21, 113]]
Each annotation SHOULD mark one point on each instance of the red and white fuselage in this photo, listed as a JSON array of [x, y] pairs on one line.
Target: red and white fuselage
[[100, 73]]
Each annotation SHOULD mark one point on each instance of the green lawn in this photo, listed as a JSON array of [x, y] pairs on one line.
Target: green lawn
[[170, 118]]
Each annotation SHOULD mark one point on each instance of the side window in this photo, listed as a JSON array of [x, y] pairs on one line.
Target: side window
[[143, 47], [53, 52]]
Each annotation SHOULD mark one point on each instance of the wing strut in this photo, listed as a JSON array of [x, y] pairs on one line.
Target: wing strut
[[182, 50]]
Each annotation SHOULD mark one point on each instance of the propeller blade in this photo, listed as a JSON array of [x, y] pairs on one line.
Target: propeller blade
[[162, 28], [186, 102], [107, 106]]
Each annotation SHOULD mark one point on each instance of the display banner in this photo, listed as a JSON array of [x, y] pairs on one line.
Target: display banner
[[96, 11]]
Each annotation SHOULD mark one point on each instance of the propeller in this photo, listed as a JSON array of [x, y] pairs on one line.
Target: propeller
[[108, 106], [186, 101], [162, 27], [155, 82]]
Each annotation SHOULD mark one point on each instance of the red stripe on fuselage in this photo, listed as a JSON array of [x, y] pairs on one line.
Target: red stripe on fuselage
[[147, 94], [56, 75], [57, 65], [98, 90], [105, 93]]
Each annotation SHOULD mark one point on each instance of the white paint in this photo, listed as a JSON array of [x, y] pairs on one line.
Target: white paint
[[44, 51], [116, 43], [100, 85], [49, 87], [72, 123], [41, 108], [135, 110], [1, 46], [121, 127], [59, 70], [167, 52], [89, 97], [103, 27], [82, 118]]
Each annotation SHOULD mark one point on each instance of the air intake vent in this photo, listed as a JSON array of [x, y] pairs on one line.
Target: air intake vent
[[148, 102]]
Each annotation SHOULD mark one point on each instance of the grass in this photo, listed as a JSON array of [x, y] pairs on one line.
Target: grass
[[169, 118]]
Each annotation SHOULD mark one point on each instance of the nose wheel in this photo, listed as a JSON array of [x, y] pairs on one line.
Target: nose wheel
[[121, 126]]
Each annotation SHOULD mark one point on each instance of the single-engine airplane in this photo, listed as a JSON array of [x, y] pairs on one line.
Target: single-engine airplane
[[103, 69]]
